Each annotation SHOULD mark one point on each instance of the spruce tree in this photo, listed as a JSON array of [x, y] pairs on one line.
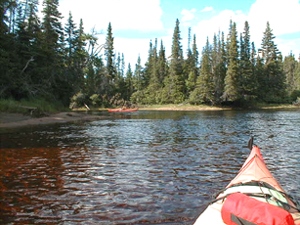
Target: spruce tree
[[174, 84], [129, 83], [297, 76], [248, 82], [137, 82], [150, 65], [220, 69], [231, 90], [152, 69], [111, 71], [80, 57], [162, 65], [289, 68], [109, 55], [204, 92], [274, 78], [192, 66], [50, 54]]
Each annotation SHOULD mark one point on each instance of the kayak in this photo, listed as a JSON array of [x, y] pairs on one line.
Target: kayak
[[123, 110], [253, 197]]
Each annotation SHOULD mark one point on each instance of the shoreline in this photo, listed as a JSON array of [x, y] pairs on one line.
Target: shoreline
[[15, 120]]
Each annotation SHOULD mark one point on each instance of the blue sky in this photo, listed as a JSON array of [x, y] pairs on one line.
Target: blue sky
[[136, 22]]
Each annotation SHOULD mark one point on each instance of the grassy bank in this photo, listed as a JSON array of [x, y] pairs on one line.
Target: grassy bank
[[182, 107], [30, 106], [41, 106]]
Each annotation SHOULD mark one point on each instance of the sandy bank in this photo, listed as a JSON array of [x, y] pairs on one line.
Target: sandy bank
[[10, 120]]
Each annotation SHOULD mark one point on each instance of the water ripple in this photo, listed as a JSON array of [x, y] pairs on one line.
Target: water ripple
[[146, 168]]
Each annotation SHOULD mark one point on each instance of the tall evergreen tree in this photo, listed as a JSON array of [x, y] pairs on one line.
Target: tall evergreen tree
[[111, 71], [75, 54], [248, 82], [162, 66], [174, 89], [150, 71], [220, 69], [274, 78], [129, 83], [204, 91], [80, 57], [53, 83], [137, 80], [192, 66], [154, 81], [231, 91], [289, 68], [297, 76], [71, 33], [109, 53]]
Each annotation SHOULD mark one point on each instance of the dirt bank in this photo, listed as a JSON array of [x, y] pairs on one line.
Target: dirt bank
[[9, 120]]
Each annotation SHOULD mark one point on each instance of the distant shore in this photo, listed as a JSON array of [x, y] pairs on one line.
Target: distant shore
[[12, 120]]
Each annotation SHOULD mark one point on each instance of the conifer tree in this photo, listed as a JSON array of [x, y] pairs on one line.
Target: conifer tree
[[109, 54], [162, 66], [80, 57], [297, 77], [220, 69], [192, 67], [231, 90], [75, 54], [289, 68], [204, 91], [174, 84], [113, 81], [50, 56], [274, 78], [152, 69], [129, 83], [71, 33], [137, 83], [248, 82]]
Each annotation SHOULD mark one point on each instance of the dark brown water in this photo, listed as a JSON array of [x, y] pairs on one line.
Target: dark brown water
[[140, 168]]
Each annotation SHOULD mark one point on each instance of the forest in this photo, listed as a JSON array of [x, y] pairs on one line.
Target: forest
[[40, 58]]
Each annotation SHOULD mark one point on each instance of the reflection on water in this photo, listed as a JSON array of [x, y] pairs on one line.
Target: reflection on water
[[140, 168]]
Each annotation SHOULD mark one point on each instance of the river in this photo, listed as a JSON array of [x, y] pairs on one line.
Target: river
[[146, 167]]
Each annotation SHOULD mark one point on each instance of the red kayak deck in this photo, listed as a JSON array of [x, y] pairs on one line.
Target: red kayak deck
[[255, 179]]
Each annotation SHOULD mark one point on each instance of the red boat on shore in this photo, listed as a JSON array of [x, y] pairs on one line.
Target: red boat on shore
[[123, 110]]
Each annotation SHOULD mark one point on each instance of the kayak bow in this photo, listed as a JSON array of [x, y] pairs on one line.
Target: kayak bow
[[254, 196]]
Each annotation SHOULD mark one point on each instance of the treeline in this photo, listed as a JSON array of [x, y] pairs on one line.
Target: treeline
[[41, 58]]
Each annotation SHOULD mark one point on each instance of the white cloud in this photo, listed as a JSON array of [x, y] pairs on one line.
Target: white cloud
[[146, 15], [188, 15], [282, 16], [132, 48], [207, 9], [220, 22], [124, 15]]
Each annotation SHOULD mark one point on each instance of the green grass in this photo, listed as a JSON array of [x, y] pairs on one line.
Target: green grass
[[13, 106], [180, 107]]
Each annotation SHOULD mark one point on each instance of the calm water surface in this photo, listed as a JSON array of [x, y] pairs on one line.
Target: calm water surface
[[141, 168]]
